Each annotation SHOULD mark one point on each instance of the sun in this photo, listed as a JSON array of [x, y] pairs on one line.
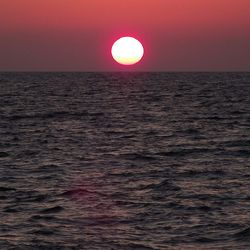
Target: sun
[[127, 51]]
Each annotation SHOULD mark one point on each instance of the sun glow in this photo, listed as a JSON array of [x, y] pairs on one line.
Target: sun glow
[[127, 51]]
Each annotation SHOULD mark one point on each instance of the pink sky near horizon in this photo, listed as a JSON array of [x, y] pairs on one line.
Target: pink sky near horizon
[[178, 35]]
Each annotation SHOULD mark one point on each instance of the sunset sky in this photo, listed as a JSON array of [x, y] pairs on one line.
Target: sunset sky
[[178, 35]]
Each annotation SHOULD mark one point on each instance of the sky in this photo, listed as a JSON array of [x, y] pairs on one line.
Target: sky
[[177, 35]]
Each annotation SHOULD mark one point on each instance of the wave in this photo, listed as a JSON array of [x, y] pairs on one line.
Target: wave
[[138, 157], [51, 115], [243, 235], [55, 209]]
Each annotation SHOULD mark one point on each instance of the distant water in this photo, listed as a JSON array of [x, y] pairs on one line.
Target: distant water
[[126, 161]]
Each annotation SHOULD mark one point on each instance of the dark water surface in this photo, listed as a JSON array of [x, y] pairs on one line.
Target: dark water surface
[[124, 161]]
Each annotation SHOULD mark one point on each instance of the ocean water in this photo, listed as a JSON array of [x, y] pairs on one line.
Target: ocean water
[[125, 161]]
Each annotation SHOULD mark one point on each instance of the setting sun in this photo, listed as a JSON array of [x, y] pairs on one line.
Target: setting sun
[[127, 51]]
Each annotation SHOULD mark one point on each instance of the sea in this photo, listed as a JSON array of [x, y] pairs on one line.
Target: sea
[[124, 161]]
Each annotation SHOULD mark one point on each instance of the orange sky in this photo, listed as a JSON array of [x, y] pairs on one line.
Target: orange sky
[[77, 35]]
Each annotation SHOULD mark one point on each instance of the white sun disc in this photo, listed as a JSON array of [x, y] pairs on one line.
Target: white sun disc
[[127, 51]]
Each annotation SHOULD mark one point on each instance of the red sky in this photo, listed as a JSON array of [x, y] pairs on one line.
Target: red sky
[[178, 35]]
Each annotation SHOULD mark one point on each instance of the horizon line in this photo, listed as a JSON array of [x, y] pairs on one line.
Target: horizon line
[[121, 71]]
